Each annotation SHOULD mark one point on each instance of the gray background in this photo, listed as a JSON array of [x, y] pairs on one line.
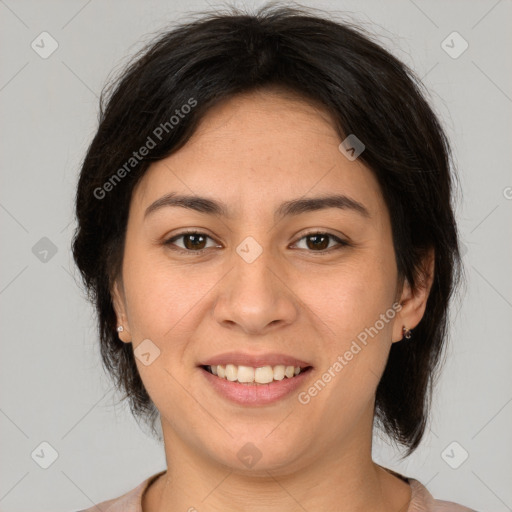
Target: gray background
[[52, 387]]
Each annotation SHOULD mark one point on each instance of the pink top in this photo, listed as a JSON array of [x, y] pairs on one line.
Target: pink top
[[421, 499]]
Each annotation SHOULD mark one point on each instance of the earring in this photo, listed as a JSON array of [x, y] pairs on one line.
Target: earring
[[407, 334], [120, 329]]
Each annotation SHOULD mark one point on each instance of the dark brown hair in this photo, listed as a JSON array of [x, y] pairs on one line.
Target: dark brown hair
[[367, 91]]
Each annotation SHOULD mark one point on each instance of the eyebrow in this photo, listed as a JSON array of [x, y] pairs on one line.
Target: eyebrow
[[287, 208]]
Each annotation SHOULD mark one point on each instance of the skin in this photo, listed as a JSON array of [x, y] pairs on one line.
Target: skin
[[253, 152]]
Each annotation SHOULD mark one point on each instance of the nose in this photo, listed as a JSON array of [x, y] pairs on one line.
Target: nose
[[256, 296]]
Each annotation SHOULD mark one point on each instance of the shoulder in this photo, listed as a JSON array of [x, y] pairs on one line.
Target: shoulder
[[423, 501], [131, 501]]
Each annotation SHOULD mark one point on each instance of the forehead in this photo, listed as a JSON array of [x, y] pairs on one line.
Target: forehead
[[260, 148]]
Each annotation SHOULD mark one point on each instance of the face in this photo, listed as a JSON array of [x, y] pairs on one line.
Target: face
[[262, 283]]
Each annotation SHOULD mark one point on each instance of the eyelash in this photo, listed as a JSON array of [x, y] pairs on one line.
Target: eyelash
[[170, 241]]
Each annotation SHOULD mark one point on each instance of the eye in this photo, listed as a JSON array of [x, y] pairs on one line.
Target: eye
[[319, 241], [193, 242]]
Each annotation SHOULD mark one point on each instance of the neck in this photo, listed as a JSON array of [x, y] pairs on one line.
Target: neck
[[343, 479]]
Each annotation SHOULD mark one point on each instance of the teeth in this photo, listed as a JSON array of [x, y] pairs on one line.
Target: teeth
[[264, 375], [245, 374], [248, 374], [279, 372], [231, 372]]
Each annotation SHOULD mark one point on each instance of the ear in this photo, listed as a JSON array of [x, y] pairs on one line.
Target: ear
[[119, 302], [414, 302]]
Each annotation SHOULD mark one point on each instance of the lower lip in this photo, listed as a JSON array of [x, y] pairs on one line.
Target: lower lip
[[255, 394]]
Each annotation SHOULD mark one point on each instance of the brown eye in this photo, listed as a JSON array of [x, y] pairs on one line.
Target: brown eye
[[318, 242], [192, 241]]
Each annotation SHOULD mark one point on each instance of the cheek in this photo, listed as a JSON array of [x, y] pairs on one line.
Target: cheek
[[357, 306], [159, 294], [162, 306], [350, 298]]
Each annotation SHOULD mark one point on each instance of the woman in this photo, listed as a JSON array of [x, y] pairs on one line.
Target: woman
[[265, 226]]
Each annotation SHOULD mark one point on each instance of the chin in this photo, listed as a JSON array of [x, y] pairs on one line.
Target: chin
[[258, 452]]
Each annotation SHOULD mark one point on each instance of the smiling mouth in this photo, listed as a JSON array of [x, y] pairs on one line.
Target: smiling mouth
[[255, 376]]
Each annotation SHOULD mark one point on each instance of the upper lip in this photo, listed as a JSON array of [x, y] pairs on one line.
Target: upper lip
[[255, 360]]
